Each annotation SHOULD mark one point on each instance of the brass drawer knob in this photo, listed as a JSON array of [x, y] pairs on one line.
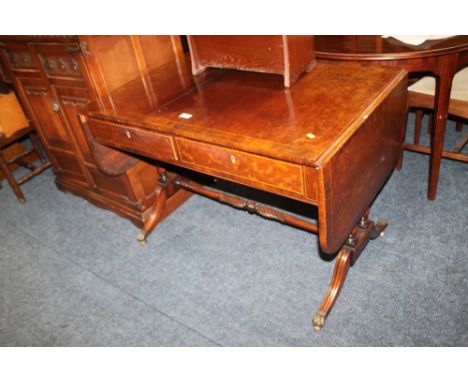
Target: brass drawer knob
[[55, 105]]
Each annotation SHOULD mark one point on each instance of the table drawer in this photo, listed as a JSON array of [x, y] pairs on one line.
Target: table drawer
[[254, 170], [148, 143]]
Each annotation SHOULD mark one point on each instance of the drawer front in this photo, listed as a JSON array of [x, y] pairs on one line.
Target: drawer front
[[254, 170], [150, 144], [59, 61], [21, 59], [61, 66], [311, 183]]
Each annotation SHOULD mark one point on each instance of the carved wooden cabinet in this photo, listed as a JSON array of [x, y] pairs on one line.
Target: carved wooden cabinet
[[56, 77]]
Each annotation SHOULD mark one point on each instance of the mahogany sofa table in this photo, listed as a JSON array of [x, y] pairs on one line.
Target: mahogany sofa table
[[331, 141], [441, 58]]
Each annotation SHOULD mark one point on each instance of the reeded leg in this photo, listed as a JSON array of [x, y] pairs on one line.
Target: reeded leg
[[343, 262], [366, 230], [159, 205]]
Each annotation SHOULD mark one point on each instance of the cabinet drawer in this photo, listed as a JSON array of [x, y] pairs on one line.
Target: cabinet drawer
[[150, 144], [21, 59], [61, 66], [60, 61], [265, 173]]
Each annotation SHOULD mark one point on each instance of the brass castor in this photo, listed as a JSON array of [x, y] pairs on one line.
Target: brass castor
[[142, 238], [319, 320]]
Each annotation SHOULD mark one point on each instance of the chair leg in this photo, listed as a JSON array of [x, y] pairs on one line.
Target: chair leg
[[429, 125], [417, 125], [14, 185], [399, 163], [37, 147], [25, 164], [461, 144]]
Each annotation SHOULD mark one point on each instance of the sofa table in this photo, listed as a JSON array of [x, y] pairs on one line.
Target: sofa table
[[331, 141]]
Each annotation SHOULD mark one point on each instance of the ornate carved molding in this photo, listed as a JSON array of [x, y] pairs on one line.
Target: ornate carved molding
[[75, 101], [21, 59], [61, 66], [248, 205], [35, 90]]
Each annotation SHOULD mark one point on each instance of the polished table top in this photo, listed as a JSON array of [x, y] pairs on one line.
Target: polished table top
[[331, 140], [254, 112], [379, 48]]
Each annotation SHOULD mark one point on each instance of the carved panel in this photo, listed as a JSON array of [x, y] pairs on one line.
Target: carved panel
[[33, 90], [21, 59], [75, 101], [61, 66]]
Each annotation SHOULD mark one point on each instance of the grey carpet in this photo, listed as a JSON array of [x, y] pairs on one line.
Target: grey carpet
[[72, 274]]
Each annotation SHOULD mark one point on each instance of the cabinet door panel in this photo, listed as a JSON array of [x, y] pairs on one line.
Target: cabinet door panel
[[65, 69], [72, 100], [69, 165], [48, 120]]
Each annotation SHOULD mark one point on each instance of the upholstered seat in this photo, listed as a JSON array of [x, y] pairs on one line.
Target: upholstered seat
[[421, 96], [12, 119], [426, 85]]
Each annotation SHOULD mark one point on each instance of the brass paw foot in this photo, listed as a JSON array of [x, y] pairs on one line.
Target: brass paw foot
[[319, 320], [342, 264], [142, 238], [357, 240]]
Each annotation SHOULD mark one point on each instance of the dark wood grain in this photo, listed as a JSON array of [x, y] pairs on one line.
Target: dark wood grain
[[247, 128]]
